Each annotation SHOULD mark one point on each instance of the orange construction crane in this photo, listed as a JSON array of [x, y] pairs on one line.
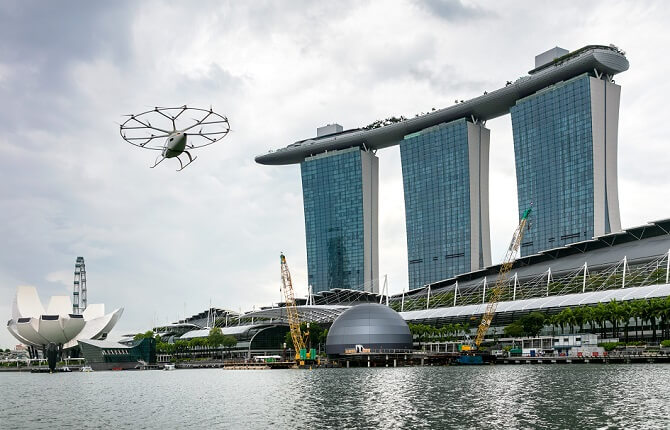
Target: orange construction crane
[[292, 312], [501, 281]]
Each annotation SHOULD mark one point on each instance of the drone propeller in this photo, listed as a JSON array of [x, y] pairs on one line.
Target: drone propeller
[[139, 131]]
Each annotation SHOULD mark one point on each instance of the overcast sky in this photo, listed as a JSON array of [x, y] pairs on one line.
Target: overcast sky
[[163, 244]]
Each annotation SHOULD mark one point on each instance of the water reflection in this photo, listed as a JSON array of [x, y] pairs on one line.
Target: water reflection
[[522, 396]]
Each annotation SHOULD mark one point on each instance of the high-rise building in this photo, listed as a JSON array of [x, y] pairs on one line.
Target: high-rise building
[[445, 179], [340, 199], [565, 144], [565, 120]]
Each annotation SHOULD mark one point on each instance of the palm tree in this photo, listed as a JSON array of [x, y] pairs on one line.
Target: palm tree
[[656, 305], [612, 309], [636, 312], [588, 317], [569, 318], [452, 329], [600, 316], [552, 321], [457, 329], [559, 320], [665, 317], [625, 312], [466, 329], [579, 315]]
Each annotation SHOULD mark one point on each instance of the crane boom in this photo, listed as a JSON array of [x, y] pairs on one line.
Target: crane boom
[[291, 309], [501, 280]]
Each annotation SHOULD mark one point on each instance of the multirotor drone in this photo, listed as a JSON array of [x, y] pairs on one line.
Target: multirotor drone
[[174, 124]]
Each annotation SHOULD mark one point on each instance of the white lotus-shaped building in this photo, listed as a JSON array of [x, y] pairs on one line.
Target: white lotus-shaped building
[[34, 326]]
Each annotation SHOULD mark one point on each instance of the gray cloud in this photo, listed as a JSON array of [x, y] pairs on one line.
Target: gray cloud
[[454, 10], [162, 243]]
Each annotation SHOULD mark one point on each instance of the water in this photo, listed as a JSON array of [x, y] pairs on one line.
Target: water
[[521, 396]]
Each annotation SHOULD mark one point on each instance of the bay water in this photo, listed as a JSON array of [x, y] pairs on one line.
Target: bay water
[[589, 396]]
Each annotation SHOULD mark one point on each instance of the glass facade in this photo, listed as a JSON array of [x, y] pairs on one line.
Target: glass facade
[[143, 349], [334, 188], [553, 147], [436, 181]]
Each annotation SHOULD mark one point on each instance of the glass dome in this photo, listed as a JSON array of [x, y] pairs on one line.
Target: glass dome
[[371, 325]]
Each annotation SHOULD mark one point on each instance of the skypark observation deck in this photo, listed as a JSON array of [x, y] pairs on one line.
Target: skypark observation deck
[[590, 59]]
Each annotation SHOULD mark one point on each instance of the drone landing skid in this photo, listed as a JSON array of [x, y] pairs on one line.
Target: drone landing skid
[[190, 160], [158, 161]]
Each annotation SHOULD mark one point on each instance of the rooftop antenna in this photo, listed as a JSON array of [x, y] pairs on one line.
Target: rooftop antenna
[[209, 313]]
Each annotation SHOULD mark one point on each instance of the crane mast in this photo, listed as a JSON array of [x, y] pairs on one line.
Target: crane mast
[[291, 309], [501, 280]]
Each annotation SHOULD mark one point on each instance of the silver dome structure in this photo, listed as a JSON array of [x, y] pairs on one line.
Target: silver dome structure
[[371, 325]]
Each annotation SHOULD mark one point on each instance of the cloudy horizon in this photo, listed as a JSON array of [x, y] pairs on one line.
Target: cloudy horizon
[[163, 244]]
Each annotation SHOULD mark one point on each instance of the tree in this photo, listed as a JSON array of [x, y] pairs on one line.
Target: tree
[[147, 335], [552, 321], [612, 312], [600, 316], [656, 309], [514, 330], [166, 348], [288, 340], [181, 346], [559, 320], [579, 314], [197, 342], [532, 323], [229, 342], [313, 334], [570, 318], [636, 312], [665, 317], [215, 338], [384, 122], [625, 313], [646, 314]]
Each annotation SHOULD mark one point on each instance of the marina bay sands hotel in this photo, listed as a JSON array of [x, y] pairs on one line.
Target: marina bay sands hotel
[[565, 116]]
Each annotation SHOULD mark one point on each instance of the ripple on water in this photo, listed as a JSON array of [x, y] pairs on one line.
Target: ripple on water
[[508, 397]]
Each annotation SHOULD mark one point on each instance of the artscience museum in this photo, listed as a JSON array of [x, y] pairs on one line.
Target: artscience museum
[[36, 326]]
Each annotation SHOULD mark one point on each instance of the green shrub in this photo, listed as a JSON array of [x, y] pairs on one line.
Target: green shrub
[[666, 343], [637, 343], [609, 346]]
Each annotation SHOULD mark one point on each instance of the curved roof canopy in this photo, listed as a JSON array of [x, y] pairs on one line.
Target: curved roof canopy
[[307, 313], [604, 59], [506, 310]]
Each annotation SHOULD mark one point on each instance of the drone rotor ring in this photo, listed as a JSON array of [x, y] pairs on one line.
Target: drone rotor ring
[[139, 131]]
